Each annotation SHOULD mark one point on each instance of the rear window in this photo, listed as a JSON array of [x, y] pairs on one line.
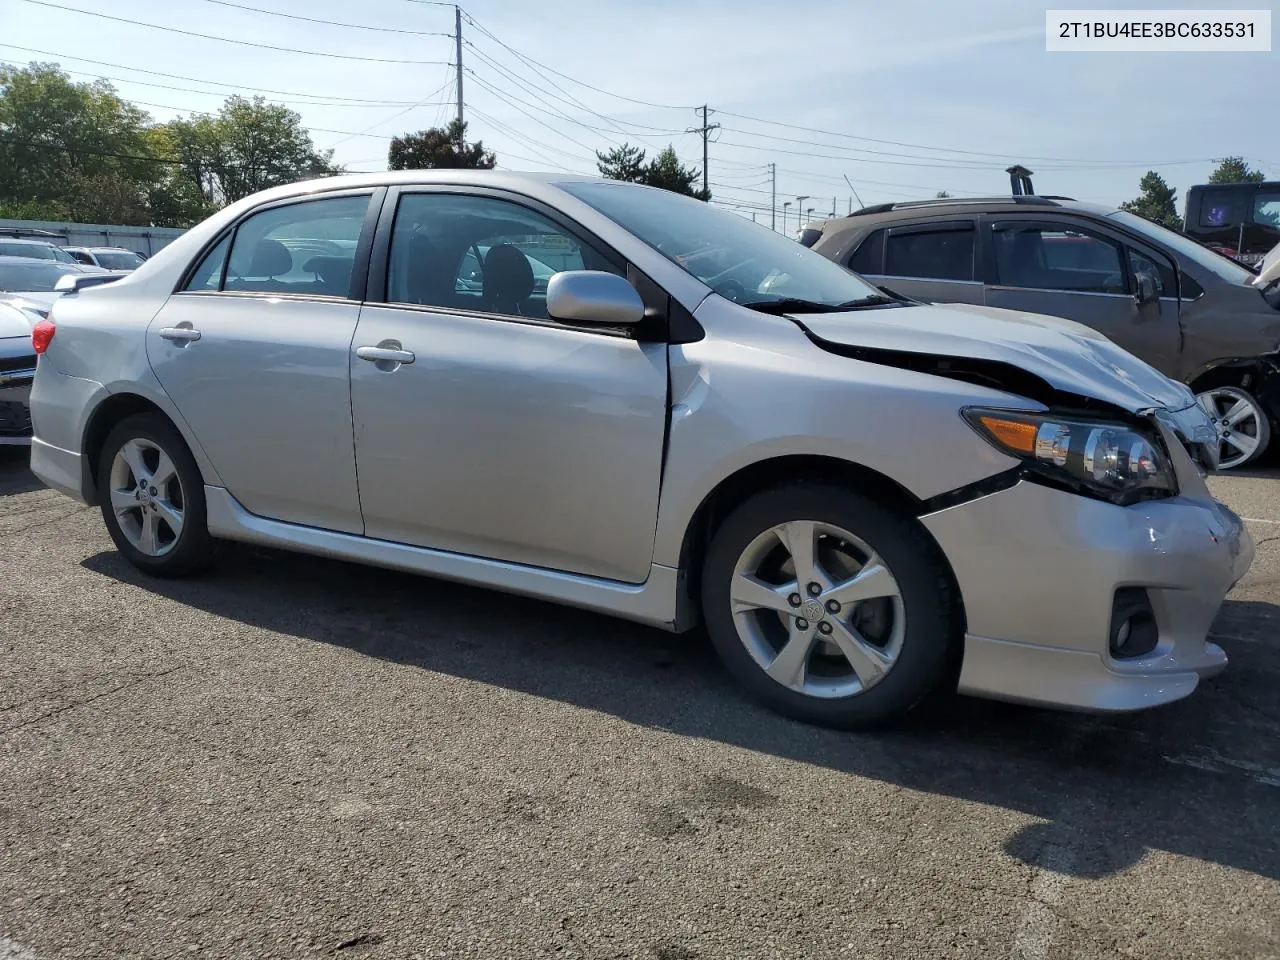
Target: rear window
[[945, 254], [869, 255]]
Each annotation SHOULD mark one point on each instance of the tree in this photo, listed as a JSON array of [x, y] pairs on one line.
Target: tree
[[1235, 170], [941, 195], [249, 145], [439, 148], [1157, 201], [71, 150], [666, 171], [622, 163]]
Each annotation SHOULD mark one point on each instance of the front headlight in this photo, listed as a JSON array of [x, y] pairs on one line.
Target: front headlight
[[1114, 461]]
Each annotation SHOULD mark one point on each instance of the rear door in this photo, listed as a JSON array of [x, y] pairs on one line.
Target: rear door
[[254, 352], [934, 261], [1068, 267]]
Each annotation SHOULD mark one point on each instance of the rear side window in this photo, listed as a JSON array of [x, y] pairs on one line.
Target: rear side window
[[1266, 208], [306, 249], [869, 256], [945, 254]]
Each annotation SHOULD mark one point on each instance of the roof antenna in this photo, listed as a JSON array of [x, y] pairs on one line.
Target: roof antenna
[[1020, 180], [851, 188]]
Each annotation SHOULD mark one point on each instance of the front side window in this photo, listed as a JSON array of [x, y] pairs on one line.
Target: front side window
[[480, 254], [742, 261], [1224, 267], [944, 254], [306, 248], [1162, 273], [81, 256], [1057, 258]]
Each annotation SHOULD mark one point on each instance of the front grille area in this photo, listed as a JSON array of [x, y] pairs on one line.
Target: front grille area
[[15, 419]]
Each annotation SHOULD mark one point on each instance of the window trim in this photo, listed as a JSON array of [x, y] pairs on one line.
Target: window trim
[[380, 260], [949, 225], [359, 269]]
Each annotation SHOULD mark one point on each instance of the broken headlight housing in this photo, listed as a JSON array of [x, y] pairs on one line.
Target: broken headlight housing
[[1105, 459]]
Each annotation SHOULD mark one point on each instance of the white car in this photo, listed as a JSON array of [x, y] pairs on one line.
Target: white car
[[108, 258]]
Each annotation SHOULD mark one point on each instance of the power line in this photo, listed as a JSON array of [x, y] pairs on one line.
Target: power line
[[331, 23], [512, 102], [581, 83], [426, 101], [514, 132], [243, 43], [221, 93], [973, 153], [212, 83]]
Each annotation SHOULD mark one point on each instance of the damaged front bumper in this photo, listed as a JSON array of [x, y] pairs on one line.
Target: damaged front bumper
[[1041, 573]]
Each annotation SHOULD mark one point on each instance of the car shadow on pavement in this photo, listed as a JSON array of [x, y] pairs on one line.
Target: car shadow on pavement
[[1200, 778], [14, 475]]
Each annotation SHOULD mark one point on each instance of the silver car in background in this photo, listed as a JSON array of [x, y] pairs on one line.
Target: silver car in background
[[694, 420]]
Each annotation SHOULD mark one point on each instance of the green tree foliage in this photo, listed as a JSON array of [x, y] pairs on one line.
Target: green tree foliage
[[439, 148], [70, 150], [622, 163], [665, 170], [249, 145], [1157, 201], [1235, 170], [77, 151]]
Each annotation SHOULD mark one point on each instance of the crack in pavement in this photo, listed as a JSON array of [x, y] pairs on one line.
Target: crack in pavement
[[143, 678]]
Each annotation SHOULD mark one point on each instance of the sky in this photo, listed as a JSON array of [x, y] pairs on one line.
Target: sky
[[903, 98]]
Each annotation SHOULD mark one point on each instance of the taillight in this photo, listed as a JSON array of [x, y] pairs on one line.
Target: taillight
[[41, 334]]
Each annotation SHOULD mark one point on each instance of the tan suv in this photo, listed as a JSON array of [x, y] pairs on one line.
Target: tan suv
[[1193, 314]]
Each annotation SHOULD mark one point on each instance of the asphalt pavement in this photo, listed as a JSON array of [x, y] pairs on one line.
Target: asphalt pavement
[[295, 757]]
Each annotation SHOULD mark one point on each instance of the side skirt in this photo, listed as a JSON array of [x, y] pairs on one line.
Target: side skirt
[[653, 602]]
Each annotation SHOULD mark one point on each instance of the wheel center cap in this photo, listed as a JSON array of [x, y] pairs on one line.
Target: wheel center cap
[[812, 610], [145, 497]]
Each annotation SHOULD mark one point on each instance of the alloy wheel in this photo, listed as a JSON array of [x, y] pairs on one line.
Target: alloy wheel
[[816, 608], [147, 497], [1243, 430]]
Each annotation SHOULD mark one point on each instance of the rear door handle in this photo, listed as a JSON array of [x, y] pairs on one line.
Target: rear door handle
[[385, 353], [180, 334]]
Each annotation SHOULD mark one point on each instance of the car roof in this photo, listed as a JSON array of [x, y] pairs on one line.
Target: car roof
[[886, 214], [10, 259], [33, 243]]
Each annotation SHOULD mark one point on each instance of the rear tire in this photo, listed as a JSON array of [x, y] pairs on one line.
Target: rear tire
[[152, 498], [885, 628]]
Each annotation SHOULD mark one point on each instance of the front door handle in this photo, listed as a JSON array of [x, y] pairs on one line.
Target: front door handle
[[183, 333], [386, 353]]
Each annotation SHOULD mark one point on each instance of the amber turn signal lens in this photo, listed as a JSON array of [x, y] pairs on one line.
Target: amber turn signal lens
[[1017, 435]]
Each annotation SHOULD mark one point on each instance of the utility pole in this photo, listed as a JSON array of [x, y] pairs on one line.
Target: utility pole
[[799, 210], [785, 204], [704, 130], [457, 36], [833, 208], [773, 201]]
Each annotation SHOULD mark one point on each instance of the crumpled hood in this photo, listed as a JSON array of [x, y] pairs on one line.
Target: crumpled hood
[[1068, 356]]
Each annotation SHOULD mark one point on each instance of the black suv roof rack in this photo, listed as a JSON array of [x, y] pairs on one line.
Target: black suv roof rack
[[1031, 200]]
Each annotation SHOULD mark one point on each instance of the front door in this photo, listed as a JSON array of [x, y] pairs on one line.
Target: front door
[[483, 427], [254, 353], [1064, 268]]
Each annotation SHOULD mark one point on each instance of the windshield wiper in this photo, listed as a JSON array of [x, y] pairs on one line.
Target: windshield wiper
[[874, 300], [792, 305]]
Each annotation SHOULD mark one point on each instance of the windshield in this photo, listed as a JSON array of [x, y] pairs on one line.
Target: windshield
[[1197, 253], [121, 260], [33, 277], [738, 259]]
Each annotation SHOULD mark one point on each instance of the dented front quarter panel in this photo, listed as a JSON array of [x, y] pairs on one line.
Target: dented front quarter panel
[[757, 388], [1228, 326]]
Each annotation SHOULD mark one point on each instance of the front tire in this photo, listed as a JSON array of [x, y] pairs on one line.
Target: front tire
[[152, 498], [829, 606], [1244, 429]]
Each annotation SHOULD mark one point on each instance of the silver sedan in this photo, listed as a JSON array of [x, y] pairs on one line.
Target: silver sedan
[[694, 420]]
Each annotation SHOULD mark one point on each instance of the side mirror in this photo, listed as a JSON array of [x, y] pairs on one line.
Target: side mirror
[[1147, 291], [593, 296]]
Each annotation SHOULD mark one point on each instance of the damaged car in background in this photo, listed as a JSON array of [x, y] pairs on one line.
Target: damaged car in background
[[1190, 312], [695, 419]]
